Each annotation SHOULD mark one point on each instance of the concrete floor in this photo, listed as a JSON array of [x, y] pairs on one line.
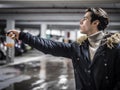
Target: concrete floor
[[36, 71]]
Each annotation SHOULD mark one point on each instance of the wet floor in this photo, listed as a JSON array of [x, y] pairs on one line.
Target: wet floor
[[36, 71]]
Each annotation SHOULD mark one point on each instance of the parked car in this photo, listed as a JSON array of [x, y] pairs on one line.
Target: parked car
[[20, 48], [3, 48]]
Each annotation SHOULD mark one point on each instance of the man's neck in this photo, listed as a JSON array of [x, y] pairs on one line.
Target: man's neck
[[96, 36], [93, 31]]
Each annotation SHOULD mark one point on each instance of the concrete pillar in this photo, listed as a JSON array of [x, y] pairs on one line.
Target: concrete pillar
[[43, 30], [67, 36], [76, 34], [39, 31], [10, 24], [42, 75]]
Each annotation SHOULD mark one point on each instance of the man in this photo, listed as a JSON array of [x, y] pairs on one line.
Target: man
[[96, 59]]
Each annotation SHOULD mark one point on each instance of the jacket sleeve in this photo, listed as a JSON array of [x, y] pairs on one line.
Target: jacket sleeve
[[47, 46], [117, 69]]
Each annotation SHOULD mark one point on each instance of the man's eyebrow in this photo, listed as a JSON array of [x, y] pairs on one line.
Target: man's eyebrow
[[85, 17]]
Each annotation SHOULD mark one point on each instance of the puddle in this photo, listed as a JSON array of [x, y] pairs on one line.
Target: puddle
[[37, 75]]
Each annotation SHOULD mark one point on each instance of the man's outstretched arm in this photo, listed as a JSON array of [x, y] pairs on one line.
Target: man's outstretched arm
[[44, 45]]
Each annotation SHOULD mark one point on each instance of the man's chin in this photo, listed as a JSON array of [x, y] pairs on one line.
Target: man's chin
[[82, 32]]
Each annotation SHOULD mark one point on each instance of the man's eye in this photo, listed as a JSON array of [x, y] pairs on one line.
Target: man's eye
[[84, 18]]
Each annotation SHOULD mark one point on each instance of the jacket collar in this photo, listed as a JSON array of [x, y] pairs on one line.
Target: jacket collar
[[109, 39]]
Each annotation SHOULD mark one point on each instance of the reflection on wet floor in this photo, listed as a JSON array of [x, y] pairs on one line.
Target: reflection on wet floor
[[48, 73]]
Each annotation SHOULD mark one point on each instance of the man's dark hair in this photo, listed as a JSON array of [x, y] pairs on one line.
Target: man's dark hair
[[101, 15]]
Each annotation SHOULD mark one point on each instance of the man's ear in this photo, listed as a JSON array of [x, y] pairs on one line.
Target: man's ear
[[96, 22]]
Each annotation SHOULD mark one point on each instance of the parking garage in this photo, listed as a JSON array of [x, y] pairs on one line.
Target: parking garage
[[25, 68]]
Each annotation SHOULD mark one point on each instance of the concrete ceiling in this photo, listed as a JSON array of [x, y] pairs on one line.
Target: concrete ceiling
[[58, 7], [53, 6]]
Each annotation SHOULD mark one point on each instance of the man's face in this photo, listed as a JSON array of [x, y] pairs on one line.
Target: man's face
[[85, 24]]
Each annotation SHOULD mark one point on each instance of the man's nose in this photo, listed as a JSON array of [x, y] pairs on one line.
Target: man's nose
[[81, 21]]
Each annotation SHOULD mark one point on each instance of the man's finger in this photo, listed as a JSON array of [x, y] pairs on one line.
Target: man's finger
[[11, 35]]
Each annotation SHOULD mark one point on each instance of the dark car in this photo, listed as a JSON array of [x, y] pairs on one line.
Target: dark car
[[20, 48]]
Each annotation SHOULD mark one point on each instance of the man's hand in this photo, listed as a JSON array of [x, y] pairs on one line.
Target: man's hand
[[13, 34]]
